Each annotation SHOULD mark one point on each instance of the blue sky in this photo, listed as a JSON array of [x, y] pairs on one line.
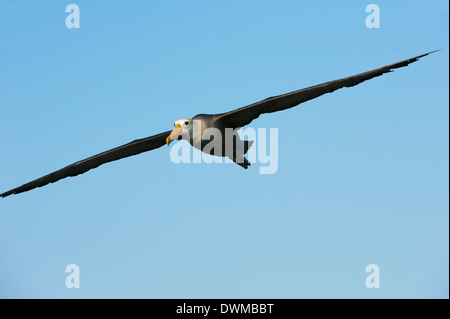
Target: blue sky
[[362, 177]]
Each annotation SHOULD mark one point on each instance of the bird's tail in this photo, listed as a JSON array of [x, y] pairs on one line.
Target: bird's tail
[[245, 164]]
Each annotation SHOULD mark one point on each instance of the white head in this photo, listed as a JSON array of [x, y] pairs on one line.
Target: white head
[[183, 130]]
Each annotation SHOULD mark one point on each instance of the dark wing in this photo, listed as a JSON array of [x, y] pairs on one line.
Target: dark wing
[[244, 115], [132, 148]]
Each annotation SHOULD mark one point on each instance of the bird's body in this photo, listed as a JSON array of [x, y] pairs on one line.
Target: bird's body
[[214, 134], [209, 134]]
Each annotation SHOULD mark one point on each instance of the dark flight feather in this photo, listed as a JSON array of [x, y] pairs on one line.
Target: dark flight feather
[[80, 167], [245, 115]]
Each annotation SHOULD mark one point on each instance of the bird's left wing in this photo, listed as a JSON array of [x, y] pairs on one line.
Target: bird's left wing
[[80, 167], [244, 115]]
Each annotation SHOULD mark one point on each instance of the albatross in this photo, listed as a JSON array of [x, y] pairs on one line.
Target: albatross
[[192, 129]]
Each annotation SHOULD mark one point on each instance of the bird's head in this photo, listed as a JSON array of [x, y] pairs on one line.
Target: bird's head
[[183, 130]]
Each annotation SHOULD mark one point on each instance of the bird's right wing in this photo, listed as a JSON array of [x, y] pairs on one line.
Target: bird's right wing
[[80, 167]]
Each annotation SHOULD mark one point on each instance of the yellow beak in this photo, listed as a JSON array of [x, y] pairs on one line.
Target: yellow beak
[[176, 133]]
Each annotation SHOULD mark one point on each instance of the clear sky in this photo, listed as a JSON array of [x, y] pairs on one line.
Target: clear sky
[[363, 174]]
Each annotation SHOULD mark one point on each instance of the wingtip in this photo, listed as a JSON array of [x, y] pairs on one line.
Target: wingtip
[[8, 193], [431, 52], [436, 50], [5, 194], [421, 56]]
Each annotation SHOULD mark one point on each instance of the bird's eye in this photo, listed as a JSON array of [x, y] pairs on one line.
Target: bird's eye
[[186, 123], [173, 124]]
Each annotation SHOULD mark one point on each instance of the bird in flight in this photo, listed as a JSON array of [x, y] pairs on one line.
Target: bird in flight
[[192, 129]]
